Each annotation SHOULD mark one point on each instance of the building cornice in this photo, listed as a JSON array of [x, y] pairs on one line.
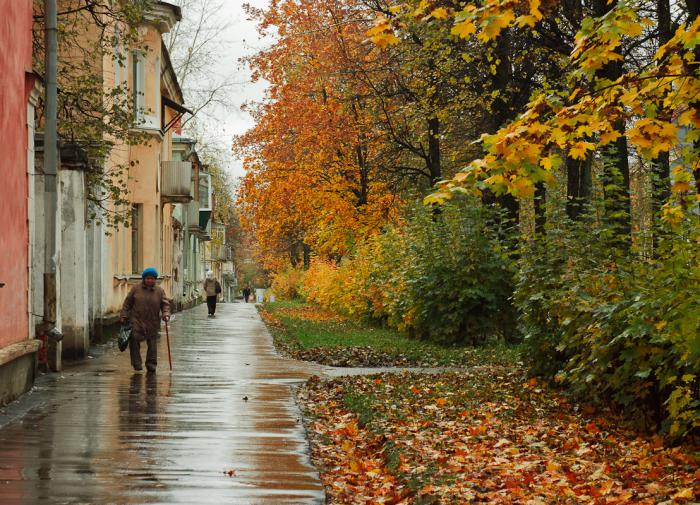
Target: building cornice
[[169, 77], [163, 16]]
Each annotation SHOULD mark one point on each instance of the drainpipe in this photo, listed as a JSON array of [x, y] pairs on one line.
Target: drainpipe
[[51, 277], [51, 64]]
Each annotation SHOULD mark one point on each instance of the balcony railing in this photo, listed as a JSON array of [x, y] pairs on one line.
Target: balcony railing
[[193, 217], [221, 252], [176, 181]]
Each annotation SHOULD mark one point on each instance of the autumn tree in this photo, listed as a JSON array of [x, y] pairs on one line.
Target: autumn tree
[[314, 180], [93, 115]]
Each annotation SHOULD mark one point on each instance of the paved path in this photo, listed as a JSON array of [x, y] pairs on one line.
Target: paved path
[[101, 434]]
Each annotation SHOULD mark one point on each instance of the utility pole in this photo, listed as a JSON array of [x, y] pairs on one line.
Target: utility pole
[[52, 259]]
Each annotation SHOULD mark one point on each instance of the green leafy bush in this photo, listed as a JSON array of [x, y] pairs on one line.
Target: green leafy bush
[[458, 275], [445, 277], [615, 325]]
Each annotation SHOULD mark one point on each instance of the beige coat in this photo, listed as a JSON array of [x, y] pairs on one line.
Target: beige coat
[[143, 307], [210, 287]]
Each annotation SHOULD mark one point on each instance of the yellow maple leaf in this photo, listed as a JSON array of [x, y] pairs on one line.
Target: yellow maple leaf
[[526, 20], [463, 29], [522, 187], [558, 136], [579, 149], [381, 26], [549, 162], [438, 197], [669, 131], [439, 13], [610, 136], [680, 186], [385, 39], [552, 466], [671, 214], [535, 9], [495, 180], [684, 493], [492, 25], [461, 177], [688, 118]]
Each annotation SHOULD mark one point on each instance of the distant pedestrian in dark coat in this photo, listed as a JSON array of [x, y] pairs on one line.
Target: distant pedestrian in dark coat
[[144, 307], [212, 288], [246, 293]]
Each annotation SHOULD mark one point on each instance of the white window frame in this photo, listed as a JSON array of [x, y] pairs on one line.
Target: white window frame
[[121, 69], [145, 118], [138, 85]]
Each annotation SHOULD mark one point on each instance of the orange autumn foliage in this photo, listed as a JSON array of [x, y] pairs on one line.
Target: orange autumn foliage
[[310, 179]]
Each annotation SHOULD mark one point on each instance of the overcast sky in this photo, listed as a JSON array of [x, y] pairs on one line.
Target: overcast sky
[[241, 39]]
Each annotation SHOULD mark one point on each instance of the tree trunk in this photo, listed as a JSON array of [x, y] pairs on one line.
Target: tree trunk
[[661, 165], [616, 172], [434, 150], [693, 13], [578, 186], [501, 114], [364, 179], [307, 256], [540, 201]]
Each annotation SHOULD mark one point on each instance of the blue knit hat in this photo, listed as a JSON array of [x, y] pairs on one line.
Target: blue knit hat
[[150, 271]]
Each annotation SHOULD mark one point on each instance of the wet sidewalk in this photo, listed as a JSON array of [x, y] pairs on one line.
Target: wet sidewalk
[[101, 434]]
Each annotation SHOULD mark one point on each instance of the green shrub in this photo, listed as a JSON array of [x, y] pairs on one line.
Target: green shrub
[[442, 276], [615, 325], [458, 275]]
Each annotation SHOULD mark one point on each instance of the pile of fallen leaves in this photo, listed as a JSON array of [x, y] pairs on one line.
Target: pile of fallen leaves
[[484, 436], [358, 356]]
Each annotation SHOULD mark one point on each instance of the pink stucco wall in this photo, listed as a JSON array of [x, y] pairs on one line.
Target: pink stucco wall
[[15, 62]]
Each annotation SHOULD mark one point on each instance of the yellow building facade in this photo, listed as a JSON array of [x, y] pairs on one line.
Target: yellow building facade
[[156, 183]]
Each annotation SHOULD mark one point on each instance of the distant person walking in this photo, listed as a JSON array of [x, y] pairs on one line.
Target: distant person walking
[[246, 293], [212, 288], [144, 307]]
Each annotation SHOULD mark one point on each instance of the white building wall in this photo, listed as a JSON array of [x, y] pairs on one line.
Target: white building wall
[[74, 264]]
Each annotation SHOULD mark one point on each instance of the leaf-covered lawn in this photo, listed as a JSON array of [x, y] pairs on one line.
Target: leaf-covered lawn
[[484, 436], [309, 333]]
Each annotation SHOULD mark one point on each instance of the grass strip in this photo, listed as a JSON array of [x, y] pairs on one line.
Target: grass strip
[[307, 332]]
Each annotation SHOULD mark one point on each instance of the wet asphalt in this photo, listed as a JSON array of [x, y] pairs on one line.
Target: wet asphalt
[[221, 428]]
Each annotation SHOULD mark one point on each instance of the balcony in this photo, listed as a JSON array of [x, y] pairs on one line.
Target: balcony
[[221, 252], [198, 220], [176, 184], [192, 217]]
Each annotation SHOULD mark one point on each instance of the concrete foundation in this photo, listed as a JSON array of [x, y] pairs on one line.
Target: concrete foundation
[[17, 369]]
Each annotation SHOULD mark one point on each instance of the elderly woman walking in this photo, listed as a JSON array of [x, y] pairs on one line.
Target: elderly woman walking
[[143, 307], [212, 288]]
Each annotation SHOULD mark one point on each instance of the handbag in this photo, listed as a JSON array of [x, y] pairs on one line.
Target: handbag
[[217, 287], [123, 337]]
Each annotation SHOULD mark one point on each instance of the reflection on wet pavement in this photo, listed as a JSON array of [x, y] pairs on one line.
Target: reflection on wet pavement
[[102, 434]]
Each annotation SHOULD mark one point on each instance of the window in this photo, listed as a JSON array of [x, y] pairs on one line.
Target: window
[[138, 85], [204, 191], [158, 105], [136, 224], [119, 70]]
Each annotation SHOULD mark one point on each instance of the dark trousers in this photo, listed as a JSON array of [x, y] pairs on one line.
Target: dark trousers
[[211, 304], [151, 353]]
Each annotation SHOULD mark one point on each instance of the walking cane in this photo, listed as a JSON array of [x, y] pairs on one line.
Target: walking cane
[[167, 339]]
